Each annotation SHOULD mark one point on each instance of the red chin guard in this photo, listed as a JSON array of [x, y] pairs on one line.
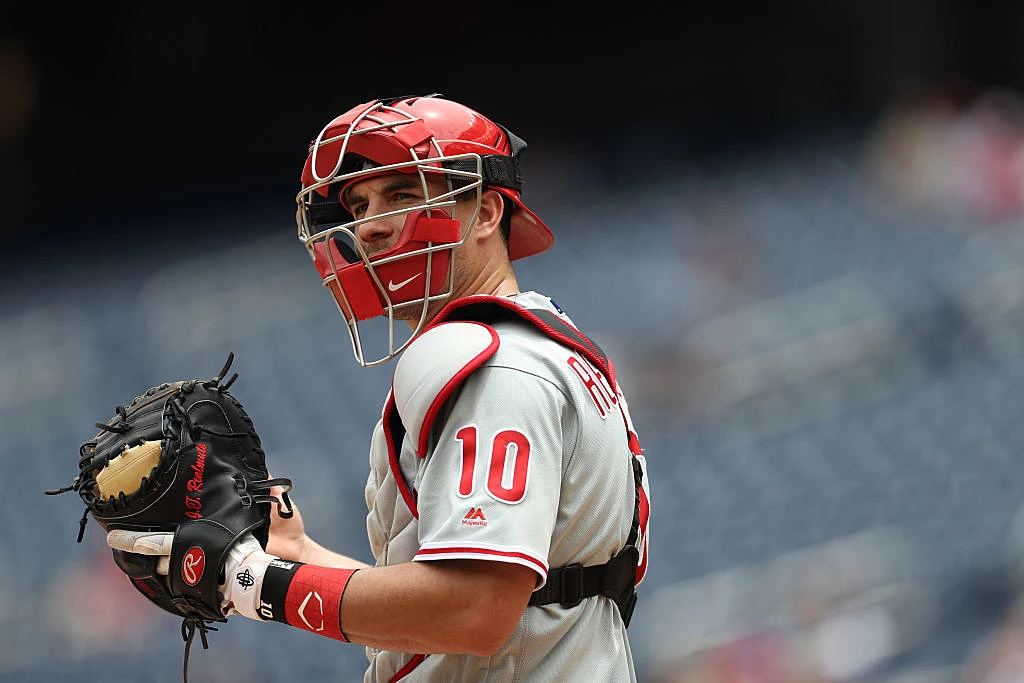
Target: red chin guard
[[353, 286]]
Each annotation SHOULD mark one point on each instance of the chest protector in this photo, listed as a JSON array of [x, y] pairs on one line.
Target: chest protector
[[570, 584]]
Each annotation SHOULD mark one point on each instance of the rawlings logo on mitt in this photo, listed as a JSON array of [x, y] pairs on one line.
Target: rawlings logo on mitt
[[183, 457]]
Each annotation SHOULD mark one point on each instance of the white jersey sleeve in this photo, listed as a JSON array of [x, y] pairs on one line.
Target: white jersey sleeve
[[489, 488]]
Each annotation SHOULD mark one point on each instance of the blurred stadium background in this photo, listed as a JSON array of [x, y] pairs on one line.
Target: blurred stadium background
[[799, 230]]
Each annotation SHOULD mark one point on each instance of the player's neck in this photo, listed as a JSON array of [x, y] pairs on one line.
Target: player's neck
[[497, 284], [491, 275], [507, 287]]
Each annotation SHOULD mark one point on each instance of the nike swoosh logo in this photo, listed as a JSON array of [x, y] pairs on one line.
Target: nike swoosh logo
[[392, 287]]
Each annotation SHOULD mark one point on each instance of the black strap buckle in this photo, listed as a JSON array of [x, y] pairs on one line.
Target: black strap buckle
[[571, 584]]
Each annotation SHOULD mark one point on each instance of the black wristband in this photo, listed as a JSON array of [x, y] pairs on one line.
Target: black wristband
[[275, 588]]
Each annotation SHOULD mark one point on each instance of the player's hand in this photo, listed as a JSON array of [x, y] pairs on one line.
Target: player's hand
[[287, 535], [150, 543], [245, 557]]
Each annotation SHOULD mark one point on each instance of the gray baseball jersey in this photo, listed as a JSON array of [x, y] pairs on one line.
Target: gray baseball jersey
[[525, 462]]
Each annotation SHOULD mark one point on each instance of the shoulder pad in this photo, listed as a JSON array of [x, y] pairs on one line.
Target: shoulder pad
[[432, 367]]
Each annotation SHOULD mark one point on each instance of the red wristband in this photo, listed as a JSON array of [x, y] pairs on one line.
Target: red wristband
[[311, 598]]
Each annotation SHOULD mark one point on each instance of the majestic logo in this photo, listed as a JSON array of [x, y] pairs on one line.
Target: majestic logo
[[392, 287], [194, 486], [245, 579], [192, 565], [475, 517], [315, 605]]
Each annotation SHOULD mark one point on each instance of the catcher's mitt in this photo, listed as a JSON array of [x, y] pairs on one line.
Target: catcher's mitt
[[183, 457]]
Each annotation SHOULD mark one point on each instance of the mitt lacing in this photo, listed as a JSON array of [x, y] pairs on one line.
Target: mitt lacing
[[249, 493], [85, 482], [189, 626]]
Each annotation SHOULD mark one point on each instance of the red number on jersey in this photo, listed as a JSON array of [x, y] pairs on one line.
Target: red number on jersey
[[506, 443], [504, 481], [467, 435]]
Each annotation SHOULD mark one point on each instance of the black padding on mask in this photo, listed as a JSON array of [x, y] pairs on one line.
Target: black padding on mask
[[346, 250], [324, 212]]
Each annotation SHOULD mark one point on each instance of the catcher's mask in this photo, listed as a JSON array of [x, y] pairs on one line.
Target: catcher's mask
[[427, 138]]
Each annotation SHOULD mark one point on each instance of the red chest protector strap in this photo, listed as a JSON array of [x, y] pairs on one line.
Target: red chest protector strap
[[572, 583]]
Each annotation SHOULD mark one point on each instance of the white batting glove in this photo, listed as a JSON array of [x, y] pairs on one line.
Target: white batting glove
[[243, 578], [244, 568], [152, 543]]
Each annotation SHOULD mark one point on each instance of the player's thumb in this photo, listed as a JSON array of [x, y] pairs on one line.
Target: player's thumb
[[143, 543]]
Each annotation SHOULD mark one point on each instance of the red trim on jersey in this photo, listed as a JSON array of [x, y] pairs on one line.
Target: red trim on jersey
[[407, 669], [390, 411], [313, 600], [540, 565], [586, 348], [452, 384], [645, 514], [634, 443]]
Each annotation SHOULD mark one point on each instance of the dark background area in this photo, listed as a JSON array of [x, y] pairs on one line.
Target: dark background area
[[116, 110]]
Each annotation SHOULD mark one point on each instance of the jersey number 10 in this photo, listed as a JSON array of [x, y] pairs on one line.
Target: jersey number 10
[[507, 470]]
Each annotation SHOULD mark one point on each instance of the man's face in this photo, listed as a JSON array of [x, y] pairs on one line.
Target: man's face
[[385, 194], [397, 193]]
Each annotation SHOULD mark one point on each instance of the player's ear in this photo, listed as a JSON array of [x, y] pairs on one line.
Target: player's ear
[[488, 221]]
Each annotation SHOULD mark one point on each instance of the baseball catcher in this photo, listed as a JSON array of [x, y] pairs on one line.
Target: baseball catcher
[[180, 466], [508, 500]]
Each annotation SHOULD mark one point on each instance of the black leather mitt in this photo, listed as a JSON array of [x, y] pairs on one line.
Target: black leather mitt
[[183, 457]]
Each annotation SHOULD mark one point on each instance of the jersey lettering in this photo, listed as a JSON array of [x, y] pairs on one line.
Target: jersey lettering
[[467, 435], [602, 396], [504, 481], [509, 464], [475, 517]]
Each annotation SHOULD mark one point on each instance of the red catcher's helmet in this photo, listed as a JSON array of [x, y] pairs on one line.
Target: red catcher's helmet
[[426, 136]]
